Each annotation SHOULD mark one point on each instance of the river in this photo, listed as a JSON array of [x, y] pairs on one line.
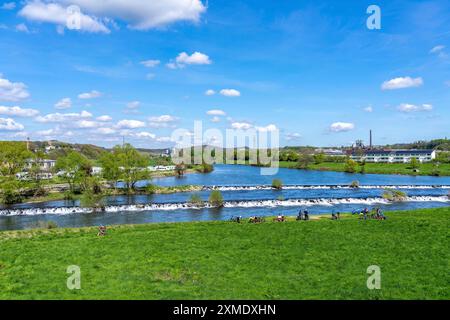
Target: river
[[246, 193]]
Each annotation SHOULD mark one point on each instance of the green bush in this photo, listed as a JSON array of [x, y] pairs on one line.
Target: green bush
[[151, 189], [40, 192], [69, 195], [354, 184], [350, 166], [196, 201], [394, 195], [205, 168], [89, 199], [277, 184], [10, 193], [216, 199]]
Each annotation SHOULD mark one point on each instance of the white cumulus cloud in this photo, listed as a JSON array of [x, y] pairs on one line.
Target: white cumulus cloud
[[216, 112], [130, 124], [64, 103], [241, 125], [18, 112], [268, 128], [8, 124], [105, 131], [140, 14], [63, 117], [90, 95], [12, 91], [230, 92], [401, 83], [95, 15], [342, 126], [162, 121], [104, 118], [57, 13], [210, 92], [183, 59], [407, 107]]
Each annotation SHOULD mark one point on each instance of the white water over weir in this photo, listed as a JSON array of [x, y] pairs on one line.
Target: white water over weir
[[227, 204], [326, 186]]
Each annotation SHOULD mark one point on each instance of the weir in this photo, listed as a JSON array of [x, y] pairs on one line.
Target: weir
[[227, 204], [325, 186]]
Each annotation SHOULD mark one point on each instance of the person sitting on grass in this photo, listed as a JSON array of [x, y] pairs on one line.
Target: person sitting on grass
[[306, 214], [101, 231], [280, 218]]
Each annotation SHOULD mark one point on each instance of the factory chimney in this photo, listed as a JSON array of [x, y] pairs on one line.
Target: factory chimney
[[370, 144]]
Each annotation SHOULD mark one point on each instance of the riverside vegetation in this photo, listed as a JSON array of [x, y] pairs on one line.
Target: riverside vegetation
[[123, 165]]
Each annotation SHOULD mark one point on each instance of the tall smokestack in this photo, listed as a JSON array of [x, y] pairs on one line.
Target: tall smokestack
[[370, 144]]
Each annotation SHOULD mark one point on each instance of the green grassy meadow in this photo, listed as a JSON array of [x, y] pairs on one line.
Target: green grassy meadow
[[319, 259], [425, 169]]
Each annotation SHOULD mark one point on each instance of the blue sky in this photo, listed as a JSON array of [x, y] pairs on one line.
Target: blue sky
[[311, 69]]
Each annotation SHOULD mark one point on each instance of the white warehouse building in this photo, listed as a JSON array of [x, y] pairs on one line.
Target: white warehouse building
[[394, 156]]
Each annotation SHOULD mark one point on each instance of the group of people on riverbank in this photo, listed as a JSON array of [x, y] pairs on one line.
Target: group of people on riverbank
[[375, 213], [303, 215]]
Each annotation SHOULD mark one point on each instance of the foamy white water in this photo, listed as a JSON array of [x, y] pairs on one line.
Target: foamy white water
[[227, 204], [312, 187]]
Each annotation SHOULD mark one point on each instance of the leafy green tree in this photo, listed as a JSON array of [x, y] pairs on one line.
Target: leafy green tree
[[13, 157], [442, 157], [362, 164], [414, 163], [110, 168], [304, 161], [35, 168], [180, 169], [216, 199], [10, 191], [319, 158], [132, 165], [350, 166], [75, 168]]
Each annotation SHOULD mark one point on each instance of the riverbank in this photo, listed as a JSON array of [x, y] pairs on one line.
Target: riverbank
[[320, 259], [154, 189], [424, 169]]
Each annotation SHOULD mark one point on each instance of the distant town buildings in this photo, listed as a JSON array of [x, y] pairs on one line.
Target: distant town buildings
[[330, 152], [44, 164], [393, 156], [161, 168]]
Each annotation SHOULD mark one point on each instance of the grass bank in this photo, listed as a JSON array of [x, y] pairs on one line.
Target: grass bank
[[154, 189], [425, 169], [319, 259]]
